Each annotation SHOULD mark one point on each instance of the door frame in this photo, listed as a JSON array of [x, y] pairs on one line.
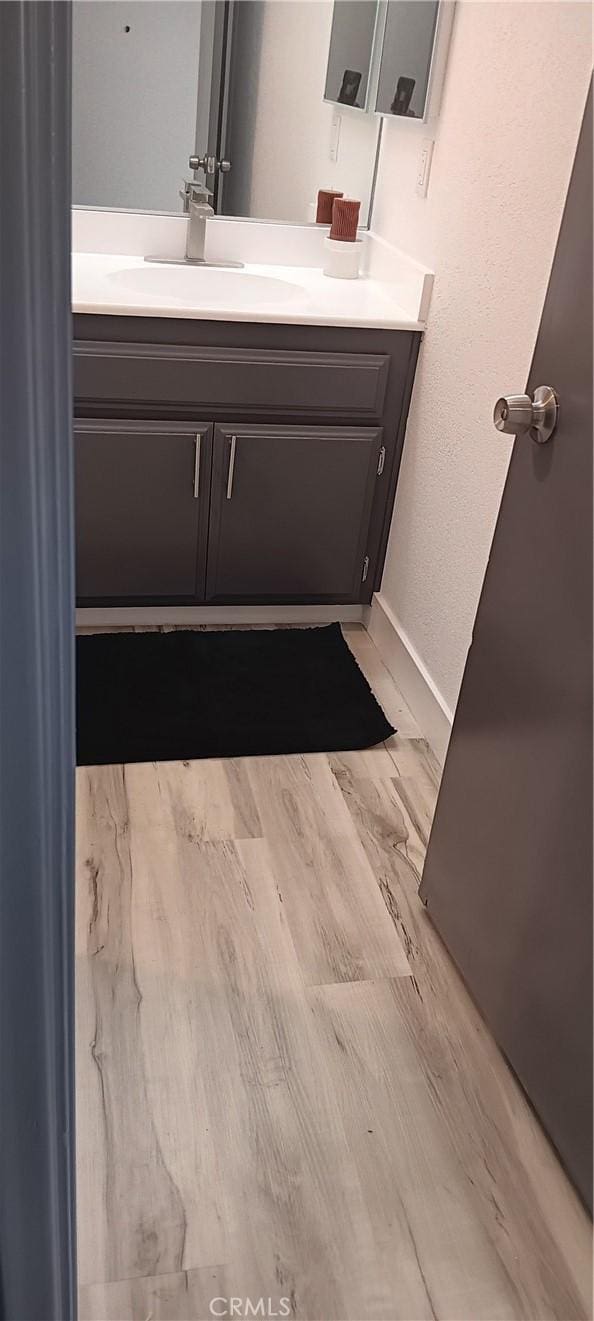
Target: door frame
[[37, 1194], [212, 110]]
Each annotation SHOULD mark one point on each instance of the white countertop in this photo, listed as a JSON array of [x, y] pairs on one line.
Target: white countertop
[[297, 295]]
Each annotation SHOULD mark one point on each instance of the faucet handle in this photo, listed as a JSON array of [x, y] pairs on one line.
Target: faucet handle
[[193, 191], [198, 192], [202, 190]]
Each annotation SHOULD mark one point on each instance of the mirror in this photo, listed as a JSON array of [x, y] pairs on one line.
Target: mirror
[[406, 55], [155, 81], [350, 54]]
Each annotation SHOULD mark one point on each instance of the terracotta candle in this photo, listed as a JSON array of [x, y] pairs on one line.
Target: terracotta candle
[[345, 218], [326, 197]]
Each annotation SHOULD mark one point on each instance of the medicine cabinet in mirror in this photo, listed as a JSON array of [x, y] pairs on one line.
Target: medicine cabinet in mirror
[[389, 56], [413, 40], [351, 53]]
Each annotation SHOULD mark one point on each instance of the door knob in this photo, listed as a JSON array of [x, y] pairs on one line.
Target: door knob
[[209, 164], [516, 414]]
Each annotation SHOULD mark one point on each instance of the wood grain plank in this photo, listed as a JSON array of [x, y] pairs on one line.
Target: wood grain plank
[[207, 800], [183, 1296], [414, 758], [131, 1213], [376, 763], [338, 926], [436, 1257], [520, 1191], [381, 682]]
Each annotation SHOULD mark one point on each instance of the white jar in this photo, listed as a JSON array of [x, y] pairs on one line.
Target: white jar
[[342, 259]]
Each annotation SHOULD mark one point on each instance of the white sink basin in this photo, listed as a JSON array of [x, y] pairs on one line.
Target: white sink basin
[[206, 286]]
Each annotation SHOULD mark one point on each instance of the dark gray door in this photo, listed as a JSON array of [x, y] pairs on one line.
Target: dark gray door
[[142, 496], [290, 512], [508, 876], [37, 1212]]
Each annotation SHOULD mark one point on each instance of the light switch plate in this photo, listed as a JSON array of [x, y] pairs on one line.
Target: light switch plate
[[335, 136], [424, 169]]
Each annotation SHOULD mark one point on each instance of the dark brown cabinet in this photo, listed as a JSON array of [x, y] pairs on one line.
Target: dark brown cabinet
[[290, 511], [142, 497], [225, 463]]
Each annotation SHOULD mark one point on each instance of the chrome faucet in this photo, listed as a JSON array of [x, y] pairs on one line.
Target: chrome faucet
[[195, 197]]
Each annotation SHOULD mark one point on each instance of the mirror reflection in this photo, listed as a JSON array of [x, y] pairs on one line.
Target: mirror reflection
[[406, 54], [351, 52], [244, 87]]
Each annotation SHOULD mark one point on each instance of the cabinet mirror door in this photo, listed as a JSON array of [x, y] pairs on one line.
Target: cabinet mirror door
[[406, 56], [142, 496], [350, 53], [290, 510]]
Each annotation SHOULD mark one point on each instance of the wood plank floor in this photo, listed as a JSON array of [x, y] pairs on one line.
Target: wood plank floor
[[283, 1089]]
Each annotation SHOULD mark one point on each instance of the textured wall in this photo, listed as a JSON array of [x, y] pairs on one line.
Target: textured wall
[[513, 100]]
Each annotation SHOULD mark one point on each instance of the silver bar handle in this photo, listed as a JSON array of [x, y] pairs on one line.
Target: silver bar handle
[[231, 467], [197, 465]]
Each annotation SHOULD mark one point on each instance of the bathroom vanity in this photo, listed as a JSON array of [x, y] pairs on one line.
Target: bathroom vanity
[[237, 433], [223, 462]]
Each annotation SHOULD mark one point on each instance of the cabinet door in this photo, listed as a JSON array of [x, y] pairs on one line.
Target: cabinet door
[[290, 510], [142, 498]]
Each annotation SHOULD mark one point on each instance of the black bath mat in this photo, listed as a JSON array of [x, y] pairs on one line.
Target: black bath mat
[[230, 693]]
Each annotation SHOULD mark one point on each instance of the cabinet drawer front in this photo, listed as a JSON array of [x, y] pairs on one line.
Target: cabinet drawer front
[[142, 497], [290, 509], [352, 385]]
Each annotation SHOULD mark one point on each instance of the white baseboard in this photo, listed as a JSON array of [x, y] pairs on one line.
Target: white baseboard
[[428, 707], [128, 616]]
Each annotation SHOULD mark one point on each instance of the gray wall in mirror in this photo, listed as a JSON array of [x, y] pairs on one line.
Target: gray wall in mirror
[[145, 98], [406, 54], [134, 93], [351, 51]]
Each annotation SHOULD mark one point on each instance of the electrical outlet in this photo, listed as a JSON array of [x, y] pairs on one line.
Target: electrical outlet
[[335, 136], [424, 169]]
